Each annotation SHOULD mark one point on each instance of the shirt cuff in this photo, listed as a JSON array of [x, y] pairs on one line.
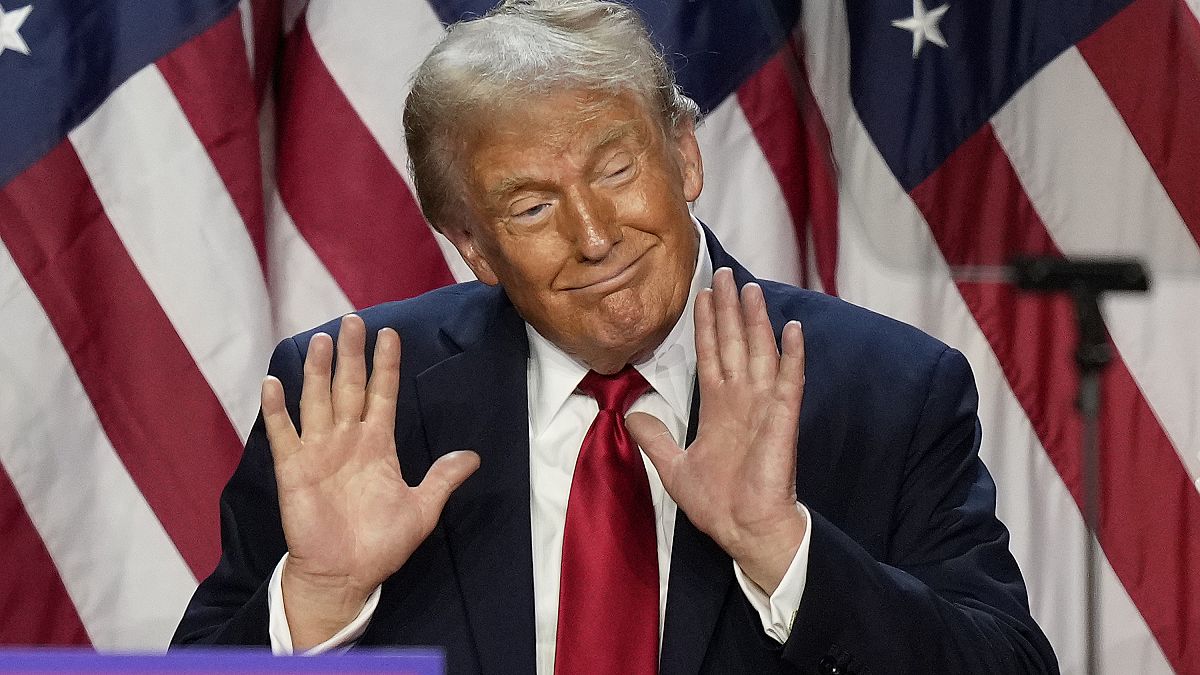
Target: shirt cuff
[[778, 611], [281, 633]]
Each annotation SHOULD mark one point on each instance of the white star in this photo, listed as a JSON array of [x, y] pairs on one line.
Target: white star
[[924, 26], [10, 25]]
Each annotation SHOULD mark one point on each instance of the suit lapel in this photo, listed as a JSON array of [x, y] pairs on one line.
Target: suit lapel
[[477, 400], [701, 572], [699, 580]]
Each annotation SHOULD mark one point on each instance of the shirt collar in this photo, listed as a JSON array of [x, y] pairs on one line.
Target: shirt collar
[[670, 368]]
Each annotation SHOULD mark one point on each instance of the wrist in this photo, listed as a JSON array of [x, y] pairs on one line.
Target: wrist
[[766, 557], [318, 606]]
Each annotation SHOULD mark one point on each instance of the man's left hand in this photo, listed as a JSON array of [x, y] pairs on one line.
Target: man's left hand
[[737, 481]]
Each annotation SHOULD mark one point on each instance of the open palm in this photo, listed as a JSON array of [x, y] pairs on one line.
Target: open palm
[[737, 481], [349, 517]]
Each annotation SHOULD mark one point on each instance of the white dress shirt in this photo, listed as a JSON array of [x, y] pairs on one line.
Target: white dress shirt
[[559, 418]]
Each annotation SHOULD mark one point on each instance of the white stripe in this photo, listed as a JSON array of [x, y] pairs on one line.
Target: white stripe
[[742, 200], [173, 213], [1096, 192], [372, 48], [888, 261], [303, 292], [121, 570], [247, 16]]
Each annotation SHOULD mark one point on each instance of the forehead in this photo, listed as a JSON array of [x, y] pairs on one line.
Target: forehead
[[557, 131]]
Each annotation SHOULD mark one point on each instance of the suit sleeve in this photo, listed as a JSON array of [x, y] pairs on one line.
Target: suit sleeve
[[230, 606], [948, 596]]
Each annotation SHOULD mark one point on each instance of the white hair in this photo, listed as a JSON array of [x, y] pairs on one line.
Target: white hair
[[525, 49]]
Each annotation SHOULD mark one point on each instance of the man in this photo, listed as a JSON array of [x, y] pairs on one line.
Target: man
[[853, 533]]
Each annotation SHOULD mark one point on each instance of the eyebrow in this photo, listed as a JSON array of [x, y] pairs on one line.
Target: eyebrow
[[617, 133], [510, 185], [630, 128]]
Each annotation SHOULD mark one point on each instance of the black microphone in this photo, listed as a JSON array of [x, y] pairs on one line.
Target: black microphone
[[1048, 273]]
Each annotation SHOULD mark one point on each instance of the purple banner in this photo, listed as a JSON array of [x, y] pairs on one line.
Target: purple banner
[[223, 661]]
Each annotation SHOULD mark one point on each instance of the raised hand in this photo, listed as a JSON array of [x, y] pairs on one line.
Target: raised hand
[[349, 517], [737, 481]]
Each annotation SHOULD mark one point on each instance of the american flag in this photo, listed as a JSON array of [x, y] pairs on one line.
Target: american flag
[[187, 181]]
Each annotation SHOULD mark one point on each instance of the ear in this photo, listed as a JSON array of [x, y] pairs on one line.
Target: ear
[[691, 165], [468, 245]]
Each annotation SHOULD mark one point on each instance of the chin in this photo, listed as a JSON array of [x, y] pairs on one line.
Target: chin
[[630, 337], [630, 314], [622, 327]]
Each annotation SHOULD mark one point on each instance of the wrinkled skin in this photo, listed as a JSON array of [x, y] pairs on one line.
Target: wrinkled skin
[[581, 215]]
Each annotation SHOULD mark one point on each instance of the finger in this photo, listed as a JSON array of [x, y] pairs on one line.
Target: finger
[[775, 445], [773, 455], [384, 387], [315, 412], [708, 362], [731, 335], [764, 356], [653, 437], [447, 473], [784, 416], [789, 383], [281, 433], [350, 376]]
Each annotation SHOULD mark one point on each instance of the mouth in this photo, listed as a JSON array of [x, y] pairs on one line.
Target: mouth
[[611, 280]]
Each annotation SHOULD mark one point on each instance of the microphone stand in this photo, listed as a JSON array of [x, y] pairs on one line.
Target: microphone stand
[[1086, 279]]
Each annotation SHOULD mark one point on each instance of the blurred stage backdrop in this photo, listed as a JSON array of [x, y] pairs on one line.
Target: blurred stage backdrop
[[184, 182]]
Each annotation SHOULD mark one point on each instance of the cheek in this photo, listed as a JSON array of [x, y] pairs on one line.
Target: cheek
[[530, 264], [641, 204], [657, 204]]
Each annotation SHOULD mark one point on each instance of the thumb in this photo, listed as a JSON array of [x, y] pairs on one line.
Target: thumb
[[655, 440], [446, 474]]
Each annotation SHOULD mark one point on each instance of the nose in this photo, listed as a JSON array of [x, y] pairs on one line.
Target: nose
[[592, 227]]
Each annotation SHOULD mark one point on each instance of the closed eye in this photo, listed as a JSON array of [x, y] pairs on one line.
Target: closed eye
[[618, 168], [620, 171], [533, 211]]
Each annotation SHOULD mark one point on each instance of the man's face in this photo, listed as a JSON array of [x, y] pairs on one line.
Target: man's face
[[580, 213]]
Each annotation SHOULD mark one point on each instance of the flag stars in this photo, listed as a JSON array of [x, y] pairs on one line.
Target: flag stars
[[10, 29], [924, 26]]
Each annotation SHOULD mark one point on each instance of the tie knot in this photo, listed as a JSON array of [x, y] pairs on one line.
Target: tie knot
[[615, 392]]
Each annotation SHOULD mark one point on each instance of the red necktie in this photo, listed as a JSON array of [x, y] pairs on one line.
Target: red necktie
[[608, 600]]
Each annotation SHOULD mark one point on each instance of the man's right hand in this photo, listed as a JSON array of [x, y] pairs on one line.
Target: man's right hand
[[349, 518]]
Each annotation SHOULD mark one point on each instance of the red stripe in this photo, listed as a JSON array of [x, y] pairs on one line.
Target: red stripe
[[266, 17], [210, 77], [1147, 58], [346, 198], [780, 108], [822, 177], [156, 408], [1150, 510], [774, 118], [34, 606]]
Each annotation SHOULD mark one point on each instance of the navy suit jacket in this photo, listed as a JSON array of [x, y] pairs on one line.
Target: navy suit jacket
[[909, 569]]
